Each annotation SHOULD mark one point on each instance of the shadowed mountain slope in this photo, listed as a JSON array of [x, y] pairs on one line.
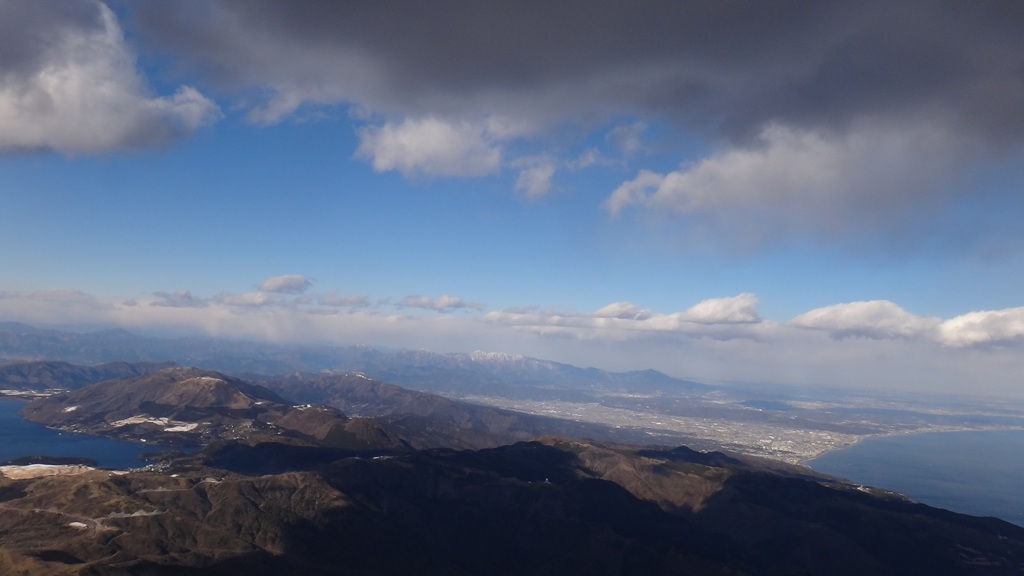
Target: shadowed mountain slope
[[554, 507]]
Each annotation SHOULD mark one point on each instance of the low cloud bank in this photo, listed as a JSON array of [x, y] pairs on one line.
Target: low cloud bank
[[859, 344]]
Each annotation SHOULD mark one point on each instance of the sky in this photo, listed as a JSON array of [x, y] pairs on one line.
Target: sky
[[821, 194]]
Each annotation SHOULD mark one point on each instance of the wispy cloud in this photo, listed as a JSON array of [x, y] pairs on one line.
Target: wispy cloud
[[249, 299], [287, 284], [444, 303], [179, 299], [339, 300], [535, 175], [628, 138]]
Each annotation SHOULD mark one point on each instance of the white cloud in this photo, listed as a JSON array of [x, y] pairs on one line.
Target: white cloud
[[877, 319], [717, 318], [83, 94], [444, 303], [989, 327], [789, 183], [884, 320], [430, 146], [741, 309], [287, 284]]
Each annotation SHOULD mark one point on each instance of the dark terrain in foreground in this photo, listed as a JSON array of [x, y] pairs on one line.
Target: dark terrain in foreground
[[550, 507]]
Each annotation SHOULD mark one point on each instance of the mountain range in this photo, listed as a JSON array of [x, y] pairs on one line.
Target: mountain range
[[501, 374]]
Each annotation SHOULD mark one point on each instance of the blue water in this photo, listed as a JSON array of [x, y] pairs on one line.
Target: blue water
[[19, 437], [977, 473]]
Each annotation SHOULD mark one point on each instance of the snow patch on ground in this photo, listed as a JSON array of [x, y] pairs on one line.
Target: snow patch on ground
[[168, 424], [202, 380], [40, 470]]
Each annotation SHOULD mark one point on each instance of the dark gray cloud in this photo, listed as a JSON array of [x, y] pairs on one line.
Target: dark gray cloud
[[29, 29], [727, 67], [853, 123], [68, 82]]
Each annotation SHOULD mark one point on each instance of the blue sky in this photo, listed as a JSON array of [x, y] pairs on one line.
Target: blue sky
[[788, 193]]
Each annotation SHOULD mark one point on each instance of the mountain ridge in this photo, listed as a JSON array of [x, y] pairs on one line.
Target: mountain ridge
[[496, 372]]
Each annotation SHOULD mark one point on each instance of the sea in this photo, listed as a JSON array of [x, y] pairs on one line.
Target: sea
[[980, 473], [20, 438]]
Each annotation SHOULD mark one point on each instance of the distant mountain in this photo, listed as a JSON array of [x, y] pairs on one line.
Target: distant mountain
[[485, 373], [509, 376], [430, 420], [192, 406], [559, 506], [48, 375]]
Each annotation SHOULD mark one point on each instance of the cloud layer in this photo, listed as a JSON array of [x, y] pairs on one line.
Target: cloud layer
[[857, 344]]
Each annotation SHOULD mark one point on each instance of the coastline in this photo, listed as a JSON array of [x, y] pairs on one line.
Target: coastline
[[972, 471], [915, 432]]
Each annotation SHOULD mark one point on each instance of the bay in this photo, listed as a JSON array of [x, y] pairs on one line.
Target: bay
[[979, 472], [20, 438]]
